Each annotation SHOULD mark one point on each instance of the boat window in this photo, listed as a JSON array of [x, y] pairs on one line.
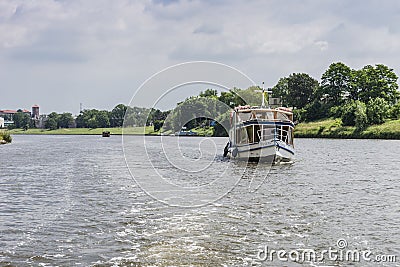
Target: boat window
[[250, 134], [244, 116], [282, 116], [267, 133], [257, 133], [269, 115], [241, 136], [265, 115]]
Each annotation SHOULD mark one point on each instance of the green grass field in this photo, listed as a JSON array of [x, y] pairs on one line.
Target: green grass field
[[332, 128]]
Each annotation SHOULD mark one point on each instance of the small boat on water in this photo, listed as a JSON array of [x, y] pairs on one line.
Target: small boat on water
[[261, 134]]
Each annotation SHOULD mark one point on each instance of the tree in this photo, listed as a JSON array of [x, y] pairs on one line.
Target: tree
[[395, 111], [353, 113], [102, 118], [348, 113], [361, 119], [316, 110], [209, 93], [65, 120], [301, 89], [92, 123], [157, 125], [336, 83], [377, 110], [229, 98], [117, 115], [21, 120], [51, 124], [379, 81], [297, 90], [251, 96], [281, 90]]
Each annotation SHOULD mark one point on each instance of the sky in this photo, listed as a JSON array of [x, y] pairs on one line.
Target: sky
[[59, 53]]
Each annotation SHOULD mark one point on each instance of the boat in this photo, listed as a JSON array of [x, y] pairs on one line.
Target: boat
[[261, 134], [106, 134]]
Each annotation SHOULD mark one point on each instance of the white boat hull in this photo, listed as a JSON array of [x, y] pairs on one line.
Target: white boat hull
[[269, 152]]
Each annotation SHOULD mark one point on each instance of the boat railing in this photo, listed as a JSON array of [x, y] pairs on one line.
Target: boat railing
[[264, 136], [266, 119], [282, 135]]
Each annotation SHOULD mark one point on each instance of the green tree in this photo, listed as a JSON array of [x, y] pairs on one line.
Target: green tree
[[281, 90], [302, 88], [65, 120], [348, 113], [251, 96], [87, 119], [336, 83], [229, 98], [157, 125], [209, 93], [379, 81], [102, 118], [394, 111], [297, 90], [51, 124], [117, 115], [22, 119], [92, 123], [377, 110], [360, 114], [315, 110]]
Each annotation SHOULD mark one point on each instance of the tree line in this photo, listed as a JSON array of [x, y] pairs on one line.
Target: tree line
[[358, 97], [92, 118]]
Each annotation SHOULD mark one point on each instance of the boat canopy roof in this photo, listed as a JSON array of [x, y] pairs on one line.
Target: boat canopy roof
[[246, 113]]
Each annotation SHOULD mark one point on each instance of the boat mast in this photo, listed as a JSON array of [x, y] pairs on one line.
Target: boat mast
[[263, 96], [269, 92]]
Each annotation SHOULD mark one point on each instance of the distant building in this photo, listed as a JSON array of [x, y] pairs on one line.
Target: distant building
[[41, 122], [8, 114], [1, 122], [35, 112]]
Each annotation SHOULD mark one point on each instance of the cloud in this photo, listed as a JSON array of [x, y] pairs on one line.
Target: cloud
[[208, 29], [113, 46]]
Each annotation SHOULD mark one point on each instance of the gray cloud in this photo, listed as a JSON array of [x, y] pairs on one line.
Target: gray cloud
[[208, 29], [108, 48]]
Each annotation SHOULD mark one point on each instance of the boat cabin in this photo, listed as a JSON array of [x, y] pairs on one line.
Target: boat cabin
[[252, 125]]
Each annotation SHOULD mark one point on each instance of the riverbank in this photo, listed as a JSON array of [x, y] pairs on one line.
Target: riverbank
[[5, 137], [149, 130], [87, 131], [332, 128]]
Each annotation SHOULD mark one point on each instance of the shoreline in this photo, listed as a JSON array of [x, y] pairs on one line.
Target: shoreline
[[332, 128], [328, 128]]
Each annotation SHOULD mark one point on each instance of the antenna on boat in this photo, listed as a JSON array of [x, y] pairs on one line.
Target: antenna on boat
[[263, 96], [263, 91]]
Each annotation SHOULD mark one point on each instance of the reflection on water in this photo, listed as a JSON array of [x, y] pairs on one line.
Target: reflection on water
[[69, 200]]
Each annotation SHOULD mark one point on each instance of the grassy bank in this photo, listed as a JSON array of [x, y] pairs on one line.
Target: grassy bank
[[332, 128], [87, 131], [5, 137], [208, 131]]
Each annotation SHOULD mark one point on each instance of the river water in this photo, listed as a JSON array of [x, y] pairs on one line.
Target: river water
[[73, 201]]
